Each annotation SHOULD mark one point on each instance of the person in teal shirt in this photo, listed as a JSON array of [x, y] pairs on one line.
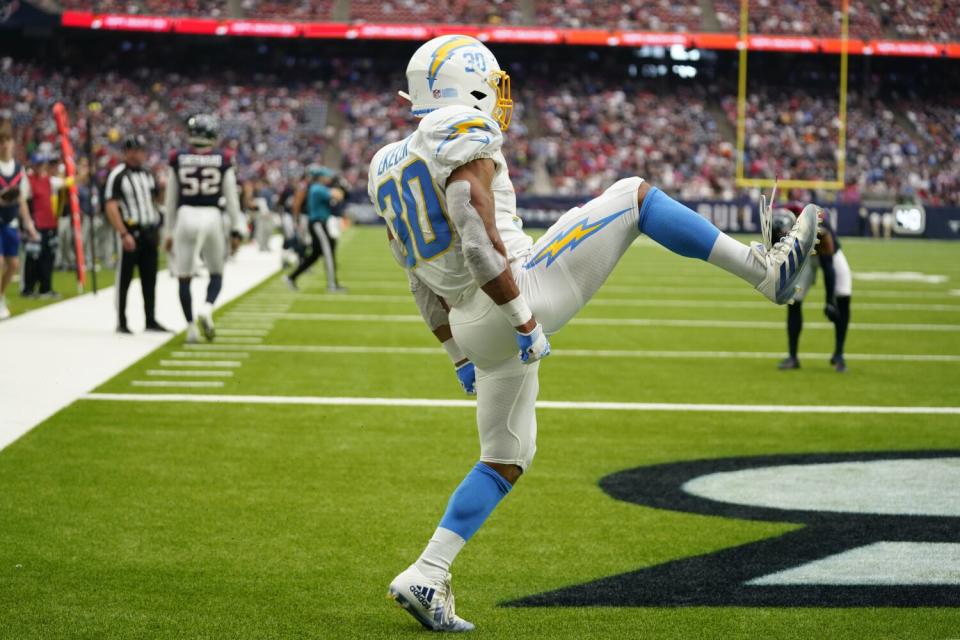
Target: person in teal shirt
[[321, 197]]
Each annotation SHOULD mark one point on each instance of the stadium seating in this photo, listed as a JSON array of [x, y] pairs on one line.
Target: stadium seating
[[938, 20], [455, 11], [659, 15], [590, 131], [800, 17]]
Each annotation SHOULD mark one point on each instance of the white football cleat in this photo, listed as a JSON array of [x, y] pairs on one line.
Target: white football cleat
[[429, 601], [4, 311], [193, 334], [205, 320], [785, 259]]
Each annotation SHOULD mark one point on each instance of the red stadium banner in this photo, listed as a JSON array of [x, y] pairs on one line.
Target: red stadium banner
[[640, 39], [835, 45], [783, 43], [518, 35], [153, 24], [327, 30], [63, 126], [590, 37], [391, 32], [263, 28], [199, 26], [77, 19], [715, 41], [898, 48], [522, 35]]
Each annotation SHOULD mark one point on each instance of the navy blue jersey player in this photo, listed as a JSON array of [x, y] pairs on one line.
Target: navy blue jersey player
[[837, 280], [199, 180]]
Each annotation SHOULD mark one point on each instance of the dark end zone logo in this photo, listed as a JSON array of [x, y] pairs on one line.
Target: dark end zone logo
[[882, 529]]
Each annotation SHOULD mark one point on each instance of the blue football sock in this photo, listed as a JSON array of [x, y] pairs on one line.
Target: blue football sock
[[213, 288], [474, 500], [678, 228], [186, 302]]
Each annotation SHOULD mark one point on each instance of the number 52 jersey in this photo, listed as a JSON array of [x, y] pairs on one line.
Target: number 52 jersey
[[407, 185], [200, 176]]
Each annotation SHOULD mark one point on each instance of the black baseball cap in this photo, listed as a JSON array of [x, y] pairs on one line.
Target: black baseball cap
[[135, 141]]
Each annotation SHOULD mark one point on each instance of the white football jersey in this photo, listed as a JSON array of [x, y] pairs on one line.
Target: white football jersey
[[407, 184]]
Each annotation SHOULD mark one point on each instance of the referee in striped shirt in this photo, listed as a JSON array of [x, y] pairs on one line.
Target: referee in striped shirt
[[131, 207]]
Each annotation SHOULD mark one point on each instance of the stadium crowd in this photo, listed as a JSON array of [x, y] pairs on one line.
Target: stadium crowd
[[568, 138], [936, 20]]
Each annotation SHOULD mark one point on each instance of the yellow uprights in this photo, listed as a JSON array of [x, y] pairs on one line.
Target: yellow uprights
[[765, 183]]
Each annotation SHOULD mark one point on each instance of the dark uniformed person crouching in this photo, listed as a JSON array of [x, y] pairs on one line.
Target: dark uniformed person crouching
[[130, 197]]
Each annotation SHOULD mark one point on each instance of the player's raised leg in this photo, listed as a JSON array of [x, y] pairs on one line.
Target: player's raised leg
[[578, 253]]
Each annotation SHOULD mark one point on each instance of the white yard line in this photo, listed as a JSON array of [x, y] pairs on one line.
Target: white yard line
[[200, 363], [228, 340], [226, 350], [201, 354], [633, 322], [541, 404], [189, 373], [64, 350], [242, 332], [205, 384]]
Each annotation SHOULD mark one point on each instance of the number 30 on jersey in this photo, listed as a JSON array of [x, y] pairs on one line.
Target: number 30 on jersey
[[418, 218]]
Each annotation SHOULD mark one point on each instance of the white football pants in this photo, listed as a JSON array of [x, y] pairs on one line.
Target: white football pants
[[559, 276], [199, 232]]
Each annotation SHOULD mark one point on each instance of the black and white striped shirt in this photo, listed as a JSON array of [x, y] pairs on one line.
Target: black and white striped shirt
[[134, 190]]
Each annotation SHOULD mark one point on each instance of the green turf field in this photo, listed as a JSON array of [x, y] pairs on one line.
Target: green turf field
[[64, 283], [239, 520]]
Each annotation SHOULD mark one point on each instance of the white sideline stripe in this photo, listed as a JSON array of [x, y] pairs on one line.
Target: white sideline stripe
[[638, 322], [208, 384], [201, 354], [187, 373], [77, 334], [652, 302], [229, 340], [200, 363], [582, 353], [541, 404]]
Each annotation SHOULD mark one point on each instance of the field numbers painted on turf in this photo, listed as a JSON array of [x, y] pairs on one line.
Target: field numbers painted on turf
[[413, 207], [879, 529]]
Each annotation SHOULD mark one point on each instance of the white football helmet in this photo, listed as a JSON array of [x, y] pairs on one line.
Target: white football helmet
[[458, 70]]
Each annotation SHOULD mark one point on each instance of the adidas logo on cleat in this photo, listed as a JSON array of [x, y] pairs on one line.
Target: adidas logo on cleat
[[423, 594]]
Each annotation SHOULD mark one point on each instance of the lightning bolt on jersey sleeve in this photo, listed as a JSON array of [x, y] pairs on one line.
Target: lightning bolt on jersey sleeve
[[458, 135]]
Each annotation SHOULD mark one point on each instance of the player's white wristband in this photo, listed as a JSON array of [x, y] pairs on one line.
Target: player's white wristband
[[516, 311], [453, 350]]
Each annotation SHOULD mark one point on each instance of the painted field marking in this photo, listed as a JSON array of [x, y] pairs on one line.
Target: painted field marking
[[242, 332], [541, 404], [637, 322], [200, 363], [652, 302], [190, 373], [226, 350], [229, 340], [208, 384], [234, 353], [718, 291]]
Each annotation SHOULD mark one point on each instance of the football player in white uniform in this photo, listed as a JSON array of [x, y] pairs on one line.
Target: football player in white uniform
[[488, 292]]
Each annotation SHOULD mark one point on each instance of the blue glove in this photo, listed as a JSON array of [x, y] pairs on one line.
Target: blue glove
[[534, 345], [467, 375]]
